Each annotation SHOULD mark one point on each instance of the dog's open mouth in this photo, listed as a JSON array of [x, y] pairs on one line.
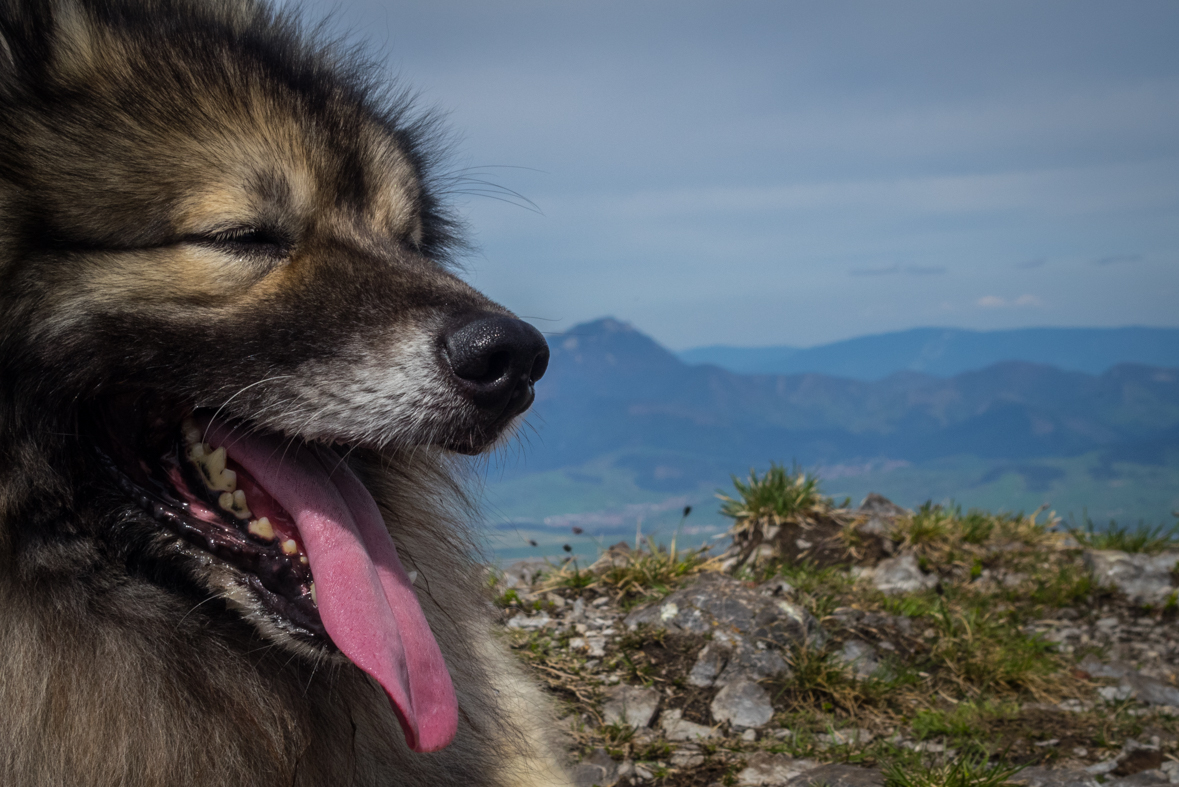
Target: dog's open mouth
[[297, 523]]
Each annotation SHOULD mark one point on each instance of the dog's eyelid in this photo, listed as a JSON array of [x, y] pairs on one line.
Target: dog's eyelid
[[260, 239]]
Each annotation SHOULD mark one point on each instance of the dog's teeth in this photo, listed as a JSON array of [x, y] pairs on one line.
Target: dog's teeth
[[290, 547], [235, 503], [262, 528], [303, 559], [413, 577], [215, 462], [313, 601], [218, 477]]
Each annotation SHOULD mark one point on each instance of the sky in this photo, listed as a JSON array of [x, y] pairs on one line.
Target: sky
[[796, 173]]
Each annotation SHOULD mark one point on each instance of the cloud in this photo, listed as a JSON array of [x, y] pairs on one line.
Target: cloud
[[1027, 265], [885, 271], [995, 302], [1118, 259], [889, 270]]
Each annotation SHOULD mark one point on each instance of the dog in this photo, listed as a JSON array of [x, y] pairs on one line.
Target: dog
[[238, 377]]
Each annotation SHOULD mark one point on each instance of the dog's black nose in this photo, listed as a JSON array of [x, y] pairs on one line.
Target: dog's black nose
[[495, 360]]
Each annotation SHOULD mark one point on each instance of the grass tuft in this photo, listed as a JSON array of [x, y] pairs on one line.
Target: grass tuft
[[644, 574], [773, 511], [775, 498], [653, 572], [1143, 538], [965, 771]]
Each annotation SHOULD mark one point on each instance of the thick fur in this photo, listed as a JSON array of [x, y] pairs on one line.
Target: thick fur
[[200, 204]]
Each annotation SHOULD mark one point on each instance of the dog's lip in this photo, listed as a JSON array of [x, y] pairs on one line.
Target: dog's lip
[[152, 470]]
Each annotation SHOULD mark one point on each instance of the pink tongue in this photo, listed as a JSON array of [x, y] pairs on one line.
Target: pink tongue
[[365, 598]]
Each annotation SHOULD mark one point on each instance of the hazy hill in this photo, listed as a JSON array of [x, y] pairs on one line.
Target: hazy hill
[[620, 420], [944, 352], [611, 388]]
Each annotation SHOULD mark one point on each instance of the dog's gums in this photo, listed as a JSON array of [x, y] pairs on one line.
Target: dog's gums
[[201, 495]]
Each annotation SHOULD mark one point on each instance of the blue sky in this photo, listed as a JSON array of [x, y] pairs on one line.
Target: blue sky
[[801, 172]]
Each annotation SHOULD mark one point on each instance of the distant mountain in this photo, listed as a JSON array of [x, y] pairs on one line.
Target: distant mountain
[[614, 392], [944, 352]]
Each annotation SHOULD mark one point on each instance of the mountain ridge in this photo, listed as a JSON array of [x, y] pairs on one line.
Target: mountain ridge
[[944, 352], [612, 390]]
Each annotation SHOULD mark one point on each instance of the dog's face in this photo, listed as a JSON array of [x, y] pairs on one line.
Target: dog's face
[[211, 233], [253, 218]]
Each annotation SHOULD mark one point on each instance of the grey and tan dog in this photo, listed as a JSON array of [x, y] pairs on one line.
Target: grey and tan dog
[[235, 374]]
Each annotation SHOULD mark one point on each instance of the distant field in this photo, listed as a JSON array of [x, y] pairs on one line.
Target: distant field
[[606, 502]]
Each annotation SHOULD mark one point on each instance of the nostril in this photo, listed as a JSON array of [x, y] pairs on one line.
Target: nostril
[[498, 364], [539, 366]]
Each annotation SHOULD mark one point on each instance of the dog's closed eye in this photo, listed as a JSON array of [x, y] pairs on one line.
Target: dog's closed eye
[[253, 241]]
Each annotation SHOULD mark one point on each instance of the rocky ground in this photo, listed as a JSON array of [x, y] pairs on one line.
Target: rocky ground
[[884, 647]]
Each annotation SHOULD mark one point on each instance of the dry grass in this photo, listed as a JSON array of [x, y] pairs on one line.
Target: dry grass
[[772, 511], [634, 576]]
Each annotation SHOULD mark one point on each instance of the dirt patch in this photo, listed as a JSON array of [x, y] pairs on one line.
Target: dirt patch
[[1138, 761], [697, 776], [660, 656], [695, 703]]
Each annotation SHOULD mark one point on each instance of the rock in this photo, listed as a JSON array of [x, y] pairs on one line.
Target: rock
[[860, 656], [1053, 777], [763, 768], [523, 573], [901, 574], [1133, 684], [709, 664], [631, 705], [529, 622], [731, 657], [1145, 579], [687, 758], [595, 646], [1150, 690], [1098, 669], [775, 587], [839, 775], [596, 770], [1115, 693], [853, 735], [1103, 767], [737, 617], [880, 514], [676, 728], [742, 704], [716, 603], [614, 556]]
